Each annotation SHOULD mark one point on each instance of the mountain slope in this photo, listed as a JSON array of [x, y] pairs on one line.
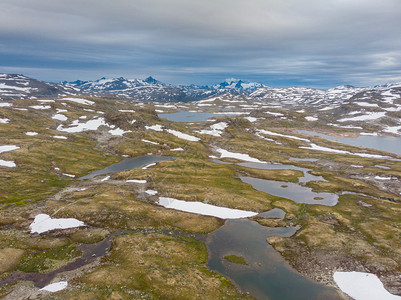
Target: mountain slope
[[16, 86]]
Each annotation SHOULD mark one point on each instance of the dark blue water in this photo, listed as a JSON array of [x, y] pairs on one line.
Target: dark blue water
[[267, 275], [128, 164]]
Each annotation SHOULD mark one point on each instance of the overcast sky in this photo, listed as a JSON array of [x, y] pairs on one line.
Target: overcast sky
[[318, 43]]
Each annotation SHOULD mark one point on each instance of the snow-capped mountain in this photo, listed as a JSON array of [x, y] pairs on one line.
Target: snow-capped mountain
[[16, 86], [151, 89], [148, 89], [306, 96], [238, 84]]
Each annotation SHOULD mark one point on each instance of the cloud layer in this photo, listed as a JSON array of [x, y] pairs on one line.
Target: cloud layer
[[309, 42]]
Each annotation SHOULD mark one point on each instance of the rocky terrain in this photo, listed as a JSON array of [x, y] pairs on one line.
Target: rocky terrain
[[130, 234]]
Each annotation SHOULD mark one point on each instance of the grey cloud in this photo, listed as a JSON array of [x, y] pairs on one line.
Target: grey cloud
[[308, 38]]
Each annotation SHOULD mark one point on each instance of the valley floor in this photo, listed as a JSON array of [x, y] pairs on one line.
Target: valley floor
[[129, 234]]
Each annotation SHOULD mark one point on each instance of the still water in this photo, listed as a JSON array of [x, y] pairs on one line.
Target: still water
[[267, 275], [390, 144], [192, 116], [128, 164]]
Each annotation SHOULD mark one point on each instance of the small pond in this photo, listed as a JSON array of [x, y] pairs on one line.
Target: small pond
[[292, 191], [275, 213], [267, 275], [269, 166], [128, 164], [390, 144], [192, 116]]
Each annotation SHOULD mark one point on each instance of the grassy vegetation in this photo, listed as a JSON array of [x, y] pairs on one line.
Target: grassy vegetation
[[158, 266], [236, 259], [166, 266]]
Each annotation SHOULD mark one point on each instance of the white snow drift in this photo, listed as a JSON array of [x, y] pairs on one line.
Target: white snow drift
[[205, 209], [240, 156], [43, 223], [362, 286], [55, 287]]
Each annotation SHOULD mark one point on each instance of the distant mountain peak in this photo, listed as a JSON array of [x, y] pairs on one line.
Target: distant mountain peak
[[151, 80]]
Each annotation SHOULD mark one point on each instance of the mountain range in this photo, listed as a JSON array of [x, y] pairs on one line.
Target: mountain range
[[16, 86]]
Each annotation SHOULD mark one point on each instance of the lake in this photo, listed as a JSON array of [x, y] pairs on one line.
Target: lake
[[267, 275], [193, 116], [292, 191], [390, 144], [128, 164]]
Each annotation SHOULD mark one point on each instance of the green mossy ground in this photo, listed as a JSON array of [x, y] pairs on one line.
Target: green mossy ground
[[163, 265]]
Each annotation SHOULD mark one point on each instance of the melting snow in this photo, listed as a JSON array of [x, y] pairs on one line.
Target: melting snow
[[55, 287], [105, 178], [215, 129], [79, 100], [148, 166], [383, 178], [79, 127], [136, 181], [43, 223], [127, 110], [60, 137], [183, 136], [60, 117], [366, 104], [362, 286], [155, 127], [240, 156], [151, 192], [6, 148], [308, 118], [69, 175], [4, 121], [7, 163], [205, 209], [177, 149], [40, 107], [326, 149], [367, 117], [251, 119], [150, 142], [31, 133], [5, 104], [282, 135], [118, 132]]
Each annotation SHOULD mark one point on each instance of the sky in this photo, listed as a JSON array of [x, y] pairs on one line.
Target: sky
[[312, 43]]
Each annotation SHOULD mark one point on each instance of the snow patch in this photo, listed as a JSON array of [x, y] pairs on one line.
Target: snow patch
[[60, 117], [205, 209], [31, 133], [79, 100], [55, 287], [118, 132], [262, 131], [240, 156], [362, 286], [151, 192], [136, 181], [43, 223], [183, 136], [79, 127], [366, 117], [150, 142], [155, 127], [40, 107]]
